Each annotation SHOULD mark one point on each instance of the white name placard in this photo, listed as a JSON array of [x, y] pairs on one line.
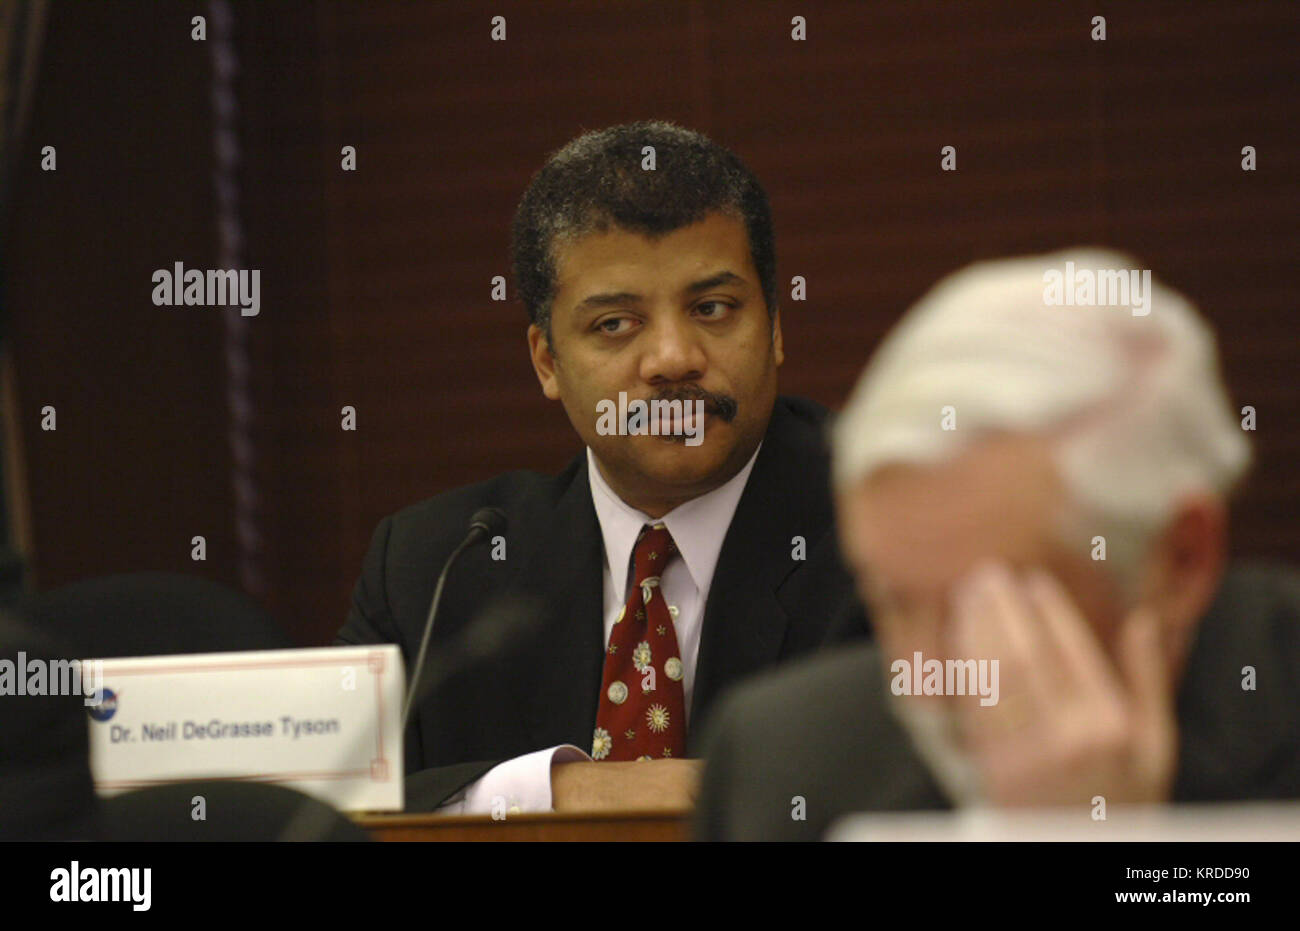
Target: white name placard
[[326, 721]]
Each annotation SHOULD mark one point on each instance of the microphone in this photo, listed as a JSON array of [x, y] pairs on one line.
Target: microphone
[[483, 525]]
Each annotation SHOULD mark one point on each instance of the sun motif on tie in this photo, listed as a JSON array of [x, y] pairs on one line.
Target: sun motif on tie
[[657, 718], [641, 656]]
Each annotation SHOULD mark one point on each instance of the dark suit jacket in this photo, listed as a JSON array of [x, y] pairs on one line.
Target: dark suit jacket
[[764, 607], [820, 729]]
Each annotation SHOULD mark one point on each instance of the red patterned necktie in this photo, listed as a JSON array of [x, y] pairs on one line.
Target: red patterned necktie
[[642, 712]]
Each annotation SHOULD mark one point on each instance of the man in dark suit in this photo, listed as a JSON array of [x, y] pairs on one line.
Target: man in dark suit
[[681, 552], [1039, 526]]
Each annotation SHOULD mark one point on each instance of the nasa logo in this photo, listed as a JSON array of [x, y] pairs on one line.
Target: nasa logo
[[106, 708]]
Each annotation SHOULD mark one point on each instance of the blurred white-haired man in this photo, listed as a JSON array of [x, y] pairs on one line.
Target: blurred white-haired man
[[1031, 481]]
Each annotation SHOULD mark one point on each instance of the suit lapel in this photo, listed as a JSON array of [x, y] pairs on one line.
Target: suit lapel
[[744, 622], [567, 566]]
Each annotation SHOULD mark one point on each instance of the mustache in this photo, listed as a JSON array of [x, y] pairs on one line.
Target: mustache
[[722, 406]]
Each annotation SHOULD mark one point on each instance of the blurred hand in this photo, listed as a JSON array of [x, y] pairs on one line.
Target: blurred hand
[[649, 784], [1070, 724]]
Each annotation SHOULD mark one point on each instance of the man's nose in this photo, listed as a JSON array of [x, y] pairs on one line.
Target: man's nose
[[672, 352]]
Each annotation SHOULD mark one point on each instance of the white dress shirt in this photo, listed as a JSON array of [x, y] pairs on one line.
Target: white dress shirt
[[698, 528], [934, 736]]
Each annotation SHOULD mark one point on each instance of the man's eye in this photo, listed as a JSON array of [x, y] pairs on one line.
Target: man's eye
[[719, 310], [614, 326]]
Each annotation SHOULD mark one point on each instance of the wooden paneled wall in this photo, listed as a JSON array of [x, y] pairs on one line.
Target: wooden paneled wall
[[376, 283]]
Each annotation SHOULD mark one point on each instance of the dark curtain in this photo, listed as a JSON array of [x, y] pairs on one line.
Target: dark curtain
[[21, 29]]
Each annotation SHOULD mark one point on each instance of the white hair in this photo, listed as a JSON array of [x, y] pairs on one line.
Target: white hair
[[1134, 404]]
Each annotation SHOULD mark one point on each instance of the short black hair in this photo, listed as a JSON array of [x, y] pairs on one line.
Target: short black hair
[[596, 181]]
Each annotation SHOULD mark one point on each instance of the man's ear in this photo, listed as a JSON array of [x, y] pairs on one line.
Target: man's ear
[[1186, 564], [778, 347], [539, 348]]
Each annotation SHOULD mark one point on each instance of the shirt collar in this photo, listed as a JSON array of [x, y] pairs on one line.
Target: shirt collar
[[936, 739], [698, 526]]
